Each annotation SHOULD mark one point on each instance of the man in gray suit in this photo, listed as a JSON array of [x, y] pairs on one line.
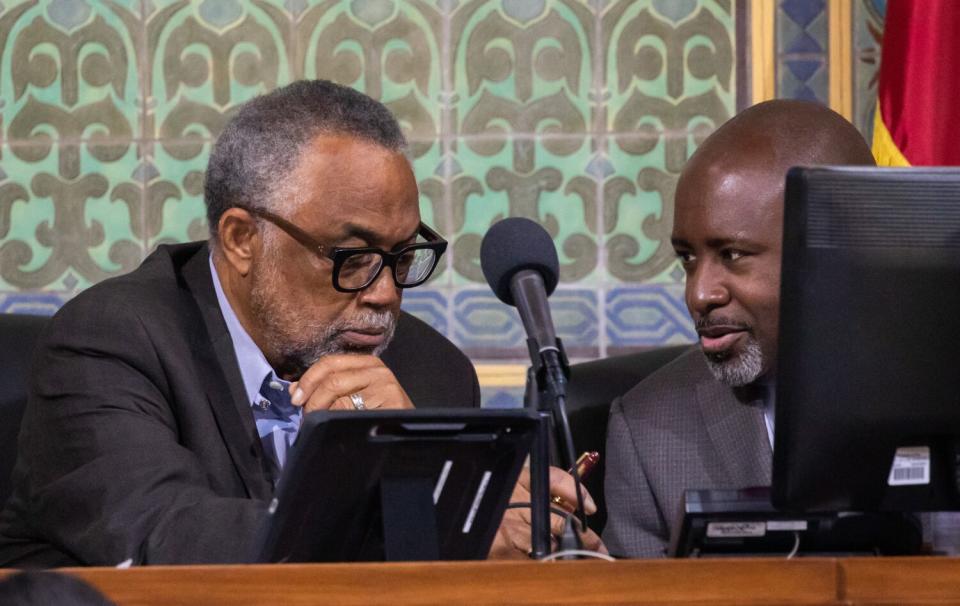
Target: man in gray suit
[[706, 419]]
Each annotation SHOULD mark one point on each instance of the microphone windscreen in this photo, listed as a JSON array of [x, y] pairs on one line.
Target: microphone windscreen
[[513, 245]]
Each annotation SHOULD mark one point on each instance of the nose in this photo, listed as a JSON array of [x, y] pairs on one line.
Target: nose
[[706, 289], [382, 292]]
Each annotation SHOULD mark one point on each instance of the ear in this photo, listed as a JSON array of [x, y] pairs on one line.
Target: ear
[[239, 239]]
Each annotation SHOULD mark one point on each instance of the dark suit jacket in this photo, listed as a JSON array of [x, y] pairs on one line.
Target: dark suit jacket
[[678, 429], [138, 442]]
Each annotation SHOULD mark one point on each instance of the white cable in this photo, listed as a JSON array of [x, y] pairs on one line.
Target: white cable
[[577, 552], [796, 545]]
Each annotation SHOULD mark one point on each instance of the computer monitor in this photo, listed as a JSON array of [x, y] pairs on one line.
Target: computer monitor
[[868, 377], [396, 485]]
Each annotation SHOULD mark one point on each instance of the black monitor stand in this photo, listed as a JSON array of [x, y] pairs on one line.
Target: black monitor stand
[[396, 485]]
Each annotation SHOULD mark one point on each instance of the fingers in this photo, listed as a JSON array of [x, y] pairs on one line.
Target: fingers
[[330, 383], [562, 490], [513, 540], [557, 522], [522, 487], [513, 537], [563, 487]]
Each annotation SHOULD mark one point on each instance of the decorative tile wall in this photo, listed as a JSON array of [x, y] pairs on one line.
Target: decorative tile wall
[[576, 113], [803, 54], [867, 32], [802, 38]]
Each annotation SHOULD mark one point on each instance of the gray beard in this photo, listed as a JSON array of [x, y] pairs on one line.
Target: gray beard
[[301, 341], [304, 348], [738, 369]]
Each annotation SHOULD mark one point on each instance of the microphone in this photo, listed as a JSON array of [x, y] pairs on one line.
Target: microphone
[[520, 263]]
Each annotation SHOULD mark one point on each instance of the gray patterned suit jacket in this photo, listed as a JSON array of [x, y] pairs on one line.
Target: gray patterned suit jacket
[[678, 429]]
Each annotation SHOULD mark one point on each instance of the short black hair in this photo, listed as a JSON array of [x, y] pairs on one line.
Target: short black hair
[[261, 144]]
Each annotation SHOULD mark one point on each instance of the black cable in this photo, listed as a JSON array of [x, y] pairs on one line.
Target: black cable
[[569, 538], [555, 510], [560, 412]]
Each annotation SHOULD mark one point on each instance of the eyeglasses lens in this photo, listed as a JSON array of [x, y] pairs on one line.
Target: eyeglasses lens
[[414, 265], [357, 269]]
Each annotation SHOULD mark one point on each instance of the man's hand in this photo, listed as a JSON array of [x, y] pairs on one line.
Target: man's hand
[[328, 385], [513, 536]]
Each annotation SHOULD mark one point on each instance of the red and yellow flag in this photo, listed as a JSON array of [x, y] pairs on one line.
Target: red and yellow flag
[[918, 106]]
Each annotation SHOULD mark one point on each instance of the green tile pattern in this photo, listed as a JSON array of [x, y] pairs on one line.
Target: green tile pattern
[[577, 113]]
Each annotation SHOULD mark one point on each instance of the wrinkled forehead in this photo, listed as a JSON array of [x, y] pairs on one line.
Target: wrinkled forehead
[[729, 197], [342, 182]]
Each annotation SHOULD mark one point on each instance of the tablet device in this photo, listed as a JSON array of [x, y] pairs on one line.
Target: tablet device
[[396, 485]]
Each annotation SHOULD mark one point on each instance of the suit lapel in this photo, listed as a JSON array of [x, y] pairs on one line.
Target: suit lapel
[[738, 433], [217, 369]]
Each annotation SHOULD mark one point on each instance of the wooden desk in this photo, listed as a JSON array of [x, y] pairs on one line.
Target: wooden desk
[[690, 582]]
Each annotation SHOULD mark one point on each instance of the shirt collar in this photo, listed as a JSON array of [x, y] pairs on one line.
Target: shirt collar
[[253, 364], [769, 409]]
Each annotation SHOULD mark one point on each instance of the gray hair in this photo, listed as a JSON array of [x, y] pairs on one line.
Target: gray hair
[[262, 143]]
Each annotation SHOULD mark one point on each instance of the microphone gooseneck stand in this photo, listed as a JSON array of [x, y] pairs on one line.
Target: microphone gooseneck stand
[[546, 394], [519, 261]]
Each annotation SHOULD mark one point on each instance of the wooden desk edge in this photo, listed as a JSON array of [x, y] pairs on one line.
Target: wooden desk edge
[[726, 581]]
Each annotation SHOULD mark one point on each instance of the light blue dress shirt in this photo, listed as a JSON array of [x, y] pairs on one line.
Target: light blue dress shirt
[[277, 420]]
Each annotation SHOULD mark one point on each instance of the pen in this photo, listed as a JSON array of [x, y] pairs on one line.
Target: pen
[[584, 465]]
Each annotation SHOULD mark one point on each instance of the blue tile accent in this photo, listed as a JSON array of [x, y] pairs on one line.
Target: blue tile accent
[[804, 93], [675, 10], [501, 397], [880, 6], [648, 315], [428, 305], [485, 327], [804, 43], [803, 70], [802, 47], [814, 87], [576, 317], [40, 304], [802, 12]]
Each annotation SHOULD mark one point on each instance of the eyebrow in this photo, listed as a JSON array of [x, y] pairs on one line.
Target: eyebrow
[[356, 231], [715, 242]]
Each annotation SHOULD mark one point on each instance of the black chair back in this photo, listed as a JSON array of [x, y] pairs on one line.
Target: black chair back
[[18, 335], [592, 387]]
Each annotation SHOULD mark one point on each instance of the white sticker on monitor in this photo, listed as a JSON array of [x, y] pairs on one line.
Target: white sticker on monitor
[[786, 525], [720, 530], [911, 466]]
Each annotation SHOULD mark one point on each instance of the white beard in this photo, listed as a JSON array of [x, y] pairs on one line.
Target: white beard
[[738, 369]]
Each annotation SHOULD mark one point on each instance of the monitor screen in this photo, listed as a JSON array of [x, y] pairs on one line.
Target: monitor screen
[[868, 376]]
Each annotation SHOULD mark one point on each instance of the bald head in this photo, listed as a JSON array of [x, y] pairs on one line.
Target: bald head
[[728, 221], [776, 135]]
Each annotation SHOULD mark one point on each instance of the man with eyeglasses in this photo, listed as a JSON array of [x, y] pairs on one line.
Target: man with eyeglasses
[[164, 402]]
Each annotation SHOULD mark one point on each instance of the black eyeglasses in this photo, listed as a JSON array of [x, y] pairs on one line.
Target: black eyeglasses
[[356, 268]]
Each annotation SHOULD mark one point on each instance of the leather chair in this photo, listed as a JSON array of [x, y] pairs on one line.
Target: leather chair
[[18, 335], [592, 387]]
